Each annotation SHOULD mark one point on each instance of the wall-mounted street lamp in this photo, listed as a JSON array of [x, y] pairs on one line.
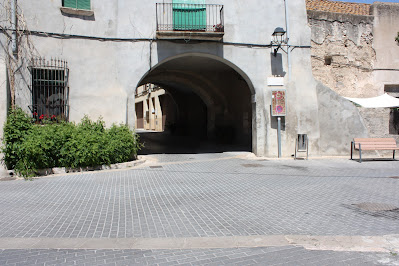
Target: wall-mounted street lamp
[[278, 39], [278, 97]]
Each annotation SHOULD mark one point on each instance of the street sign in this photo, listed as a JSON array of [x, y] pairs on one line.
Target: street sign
[[278, 103]]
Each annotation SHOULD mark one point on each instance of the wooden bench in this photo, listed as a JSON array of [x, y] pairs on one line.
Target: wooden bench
[[373, 144]]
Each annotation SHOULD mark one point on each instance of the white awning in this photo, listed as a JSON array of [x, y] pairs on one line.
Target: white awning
[[383, 101]]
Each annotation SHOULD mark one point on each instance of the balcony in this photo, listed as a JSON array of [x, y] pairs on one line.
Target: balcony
[[190, 21]]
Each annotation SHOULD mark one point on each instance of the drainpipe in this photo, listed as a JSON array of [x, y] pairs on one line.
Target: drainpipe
[[287, 26], [14, 26]]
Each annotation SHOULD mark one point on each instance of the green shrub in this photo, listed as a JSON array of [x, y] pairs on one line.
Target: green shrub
[[41, 146], [86, 145], [18, 124], [30, 147], [122, 146]]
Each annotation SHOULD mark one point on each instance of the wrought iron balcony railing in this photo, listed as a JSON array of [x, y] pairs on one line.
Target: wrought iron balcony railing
[[190, 17]]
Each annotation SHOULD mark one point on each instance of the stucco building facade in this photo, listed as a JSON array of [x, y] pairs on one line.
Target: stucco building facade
[[220, 75]]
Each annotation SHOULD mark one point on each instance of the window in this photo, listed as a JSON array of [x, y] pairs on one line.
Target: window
[[77, 4], [49, 89]]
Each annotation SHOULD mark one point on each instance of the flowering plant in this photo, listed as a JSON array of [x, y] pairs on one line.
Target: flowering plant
[[44, 118], [218, 27]]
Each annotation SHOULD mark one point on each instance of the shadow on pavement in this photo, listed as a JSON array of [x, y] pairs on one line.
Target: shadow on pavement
[[165, 143]]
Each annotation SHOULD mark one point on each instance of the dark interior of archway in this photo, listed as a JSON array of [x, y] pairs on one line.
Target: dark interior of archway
[[206, 108]]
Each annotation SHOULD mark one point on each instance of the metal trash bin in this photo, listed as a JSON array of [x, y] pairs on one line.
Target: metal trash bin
[[301, 145]]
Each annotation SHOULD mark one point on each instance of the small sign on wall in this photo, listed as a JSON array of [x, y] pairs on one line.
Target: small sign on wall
[[275, 81], [278, 103]]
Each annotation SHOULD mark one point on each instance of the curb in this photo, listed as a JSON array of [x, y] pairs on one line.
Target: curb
[[68, 170], [380, 244]]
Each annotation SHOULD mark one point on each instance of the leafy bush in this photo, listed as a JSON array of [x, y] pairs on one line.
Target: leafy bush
[[18, 124], [122, 144], [86, 145], [30, 147]]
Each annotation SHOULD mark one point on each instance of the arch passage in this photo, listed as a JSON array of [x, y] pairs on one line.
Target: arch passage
[[202, 105]]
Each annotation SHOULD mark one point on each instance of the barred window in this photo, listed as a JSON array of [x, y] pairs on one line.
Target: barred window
[[50, 91]]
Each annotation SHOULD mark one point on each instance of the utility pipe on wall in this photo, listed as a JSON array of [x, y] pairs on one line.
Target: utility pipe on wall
[[14, 26], [287, 26], [279, 136]]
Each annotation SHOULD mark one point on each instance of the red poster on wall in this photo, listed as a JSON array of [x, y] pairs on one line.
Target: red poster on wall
[[278, 103]]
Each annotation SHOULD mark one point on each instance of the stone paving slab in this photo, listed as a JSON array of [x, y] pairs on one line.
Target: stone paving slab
[[242, 256], [206, 209], [178, 158], [209, 198], [388, 244]]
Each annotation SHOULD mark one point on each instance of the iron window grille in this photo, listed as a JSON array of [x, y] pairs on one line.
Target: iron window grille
[[50, 90]]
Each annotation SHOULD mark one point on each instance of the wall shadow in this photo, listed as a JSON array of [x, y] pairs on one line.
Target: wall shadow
[[168, 49], [77, 16], [167, 143], [276, 63]]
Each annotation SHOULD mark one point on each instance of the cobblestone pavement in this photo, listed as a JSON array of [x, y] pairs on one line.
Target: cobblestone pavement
[[240, 256], [214, 195]]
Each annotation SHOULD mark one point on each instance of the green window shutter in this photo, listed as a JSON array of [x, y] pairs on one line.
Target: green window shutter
[[69, 3], [79, 4], [187, 16], [186, 4], [83, 4]]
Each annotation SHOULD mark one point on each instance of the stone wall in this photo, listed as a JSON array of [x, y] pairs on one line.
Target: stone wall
[[357, 56], [342, 52], [376, 121]]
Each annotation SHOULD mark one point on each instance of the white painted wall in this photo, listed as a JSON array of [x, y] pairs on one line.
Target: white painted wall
[[104, 74], [387, 49], [3, 105]]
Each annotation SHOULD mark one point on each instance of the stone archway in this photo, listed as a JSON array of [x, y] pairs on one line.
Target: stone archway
[[207, 84]]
